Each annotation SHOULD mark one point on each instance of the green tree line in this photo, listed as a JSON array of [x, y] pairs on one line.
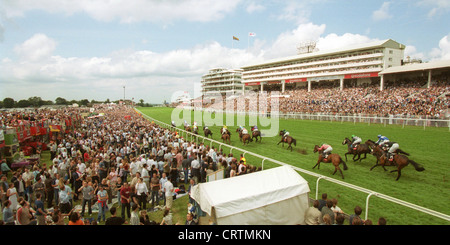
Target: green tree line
[[36, 101]]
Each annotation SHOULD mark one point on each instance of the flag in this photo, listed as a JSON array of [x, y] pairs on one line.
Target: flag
[[252, 34], [235, 38]]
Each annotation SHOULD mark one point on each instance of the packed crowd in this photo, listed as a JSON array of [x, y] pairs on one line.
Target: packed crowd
[[402, 98], [118, 156]]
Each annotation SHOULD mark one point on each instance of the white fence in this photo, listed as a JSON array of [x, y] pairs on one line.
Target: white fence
[[356, 118], [318, 176]]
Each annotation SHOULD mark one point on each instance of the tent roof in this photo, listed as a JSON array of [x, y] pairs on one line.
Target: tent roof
[[246, 192]]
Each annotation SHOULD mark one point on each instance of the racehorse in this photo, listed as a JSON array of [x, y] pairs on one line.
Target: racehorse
[[377, 151], [400, 161], [256, 134], [187, 128], [360, 149], [196, 130], [288, 139], [207, 132], [226, 137], [334, 158], [246, 138]]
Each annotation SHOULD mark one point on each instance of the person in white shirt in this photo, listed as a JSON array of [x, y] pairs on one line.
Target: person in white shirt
[[168, 188], [142, 193]]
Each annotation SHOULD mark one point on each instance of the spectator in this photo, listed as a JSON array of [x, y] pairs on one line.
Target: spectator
[[114, 220], [125, 199], [8, 215], [190, 219], [40, 210], [142, 193], [340, 219], [382, 221], [75, 218], [88, 195], [327, 210], [323, 201], [357, 213], [134, 220], [168, 187], [312, 214], [167, 217], [155, 187], [102, 198]]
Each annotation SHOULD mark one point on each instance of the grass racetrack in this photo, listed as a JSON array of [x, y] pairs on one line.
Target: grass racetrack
[[429, 147]]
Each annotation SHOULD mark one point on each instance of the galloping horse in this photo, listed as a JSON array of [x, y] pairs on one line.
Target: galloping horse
[[246, 138], [334, 158], [256, 134], [207, 132], [187, 128], [288, 139], [360, 149], [400, 161], [226, 137], [377, 151]]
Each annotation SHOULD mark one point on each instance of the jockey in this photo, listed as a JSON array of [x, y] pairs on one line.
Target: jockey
[[244, 130], [355, 140], [255, 128], [326, 150], [382, 140], [393, 146], [285, 134], [195, 126], [173, 123], [224, 129]]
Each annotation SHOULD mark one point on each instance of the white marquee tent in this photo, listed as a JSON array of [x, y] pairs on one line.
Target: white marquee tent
[[277, 196]]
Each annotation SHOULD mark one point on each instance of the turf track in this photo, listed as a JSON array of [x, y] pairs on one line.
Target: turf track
[[429, 147]]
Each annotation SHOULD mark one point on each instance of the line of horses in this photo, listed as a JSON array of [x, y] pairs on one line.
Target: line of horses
[[359, 151]]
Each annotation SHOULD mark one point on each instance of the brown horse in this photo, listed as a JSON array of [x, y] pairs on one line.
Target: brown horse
[[288, 139], [400, 161], [187, 128], [360, 149], [226, 137], [207, 132], [334, 158], [246, 138], [256, 134]]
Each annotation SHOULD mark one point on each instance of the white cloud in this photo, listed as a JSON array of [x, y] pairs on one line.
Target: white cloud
[[128, 10], [437, 6], [37, 47], [443, 52], [411, 51], [254, 7], [382, 13]]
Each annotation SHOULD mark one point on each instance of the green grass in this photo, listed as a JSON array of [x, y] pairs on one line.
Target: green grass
[[428, 147]]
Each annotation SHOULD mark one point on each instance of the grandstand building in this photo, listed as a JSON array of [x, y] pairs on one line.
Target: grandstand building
[[223, 81], [358, 64]]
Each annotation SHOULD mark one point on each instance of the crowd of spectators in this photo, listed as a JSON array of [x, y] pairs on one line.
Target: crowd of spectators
[[119, 155], [401, 98]]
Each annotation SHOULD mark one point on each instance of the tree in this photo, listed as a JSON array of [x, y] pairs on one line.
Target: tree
[[8, 102], [141, 102], [23, 103], [35, 101], [61, 101]]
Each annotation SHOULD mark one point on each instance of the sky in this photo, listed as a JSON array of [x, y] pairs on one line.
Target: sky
[[84, 49]]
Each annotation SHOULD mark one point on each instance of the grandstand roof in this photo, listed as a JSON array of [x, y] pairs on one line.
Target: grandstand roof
[[417, 67], [387, 43]]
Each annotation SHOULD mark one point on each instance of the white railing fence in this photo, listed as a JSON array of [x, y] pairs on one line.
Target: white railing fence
[[319, 177]]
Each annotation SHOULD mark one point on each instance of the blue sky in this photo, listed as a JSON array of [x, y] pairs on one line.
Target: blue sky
[[90, 49]]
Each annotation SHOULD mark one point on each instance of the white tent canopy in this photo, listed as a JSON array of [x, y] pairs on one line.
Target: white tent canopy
[[271, 197]]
